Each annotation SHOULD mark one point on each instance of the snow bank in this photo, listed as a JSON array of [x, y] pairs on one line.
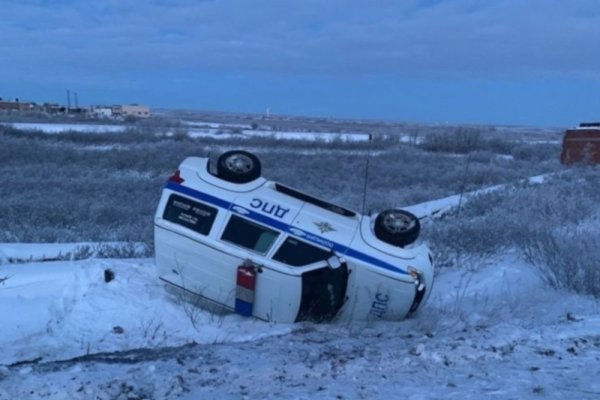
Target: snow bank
[[219, 133], [440, 206], [62, 309], [61, 128]]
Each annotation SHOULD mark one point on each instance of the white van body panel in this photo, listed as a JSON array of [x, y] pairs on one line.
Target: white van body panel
[[379, 282]]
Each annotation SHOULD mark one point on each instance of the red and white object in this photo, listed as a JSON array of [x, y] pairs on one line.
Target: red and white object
[[244, 292]]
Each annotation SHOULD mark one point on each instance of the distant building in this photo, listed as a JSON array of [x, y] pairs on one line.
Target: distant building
[[54, 108], [117, 110], [101, 111], [135, 110], [78, 111], [16, 105], [582, 144]]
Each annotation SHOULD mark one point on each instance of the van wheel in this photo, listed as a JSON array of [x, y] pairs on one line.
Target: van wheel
[[397, 227], [238, 166]]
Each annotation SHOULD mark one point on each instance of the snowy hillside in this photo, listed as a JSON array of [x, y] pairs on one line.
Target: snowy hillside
[[497, 333]]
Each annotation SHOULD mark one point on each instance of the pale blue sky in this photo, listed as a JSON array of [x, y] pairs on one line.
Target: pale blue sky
[[534, 62]]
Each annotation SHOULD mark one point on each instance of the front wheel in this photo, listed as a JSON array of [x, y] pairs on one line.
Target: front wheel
[[238, 166], [397, 227]]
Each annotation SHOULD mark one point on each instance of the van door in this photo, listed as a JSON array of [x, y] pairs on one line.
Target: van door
[[323, 293], [323, 286]]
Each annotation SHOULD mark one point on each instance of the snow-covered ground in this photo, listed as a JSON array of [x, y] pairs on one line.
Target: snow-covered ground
[[219, 133], [438, 207], [214, 124], [495, 332], [499, 333], [57, 310], [196, 130], [52, 128]]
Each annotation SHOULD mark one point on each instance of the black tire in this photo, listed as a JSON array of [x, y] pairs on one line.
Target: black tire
[[238, 166], [397, 227]]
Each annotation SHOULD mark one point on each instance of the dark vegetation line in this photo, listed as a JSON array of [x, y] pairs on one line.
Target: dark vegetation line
[[133, 356]]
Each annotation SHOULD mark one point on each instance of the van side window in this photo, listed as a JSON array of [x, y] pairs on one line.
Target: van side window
[[248, 234], [189, 213], [297, 253]]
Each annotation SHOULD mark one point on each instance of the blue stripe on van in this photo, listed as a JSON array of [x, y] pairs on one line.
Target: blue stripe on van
[[198, 195], [299, 233]]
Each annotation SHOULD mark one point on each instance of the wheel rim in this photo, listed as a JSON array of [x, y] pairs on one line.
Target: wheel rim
[[398, 222], [239, 163]]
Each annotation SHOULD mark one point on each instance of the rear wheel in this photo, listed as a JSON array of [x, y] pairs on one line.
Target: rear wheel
[[397, 227], [238, 166]]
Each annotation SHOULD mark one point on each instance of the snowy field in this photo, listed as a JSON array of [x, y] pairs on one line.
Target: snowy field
[[195, 130], [493, 328], [499, 333], [280, 135], [226, 131], [52, 128], [198, 129]]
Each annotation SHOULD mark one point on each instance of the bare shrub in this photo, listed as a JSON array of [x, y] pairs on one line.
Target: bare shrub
[[463, 140], [567, 259], [82, 253], [122, 250], [180, 134], [197, 308], [535, 152], [460, 140], [554, 226], [154, 332]]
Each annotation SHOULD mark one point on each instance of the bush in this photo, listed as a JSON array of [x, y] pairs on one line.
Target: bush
[[535, 152], [567, 258], [461, 140], [554, 226]]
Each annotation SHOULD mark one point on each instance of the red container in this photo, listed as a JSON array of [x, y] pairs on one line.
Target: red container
[[581, 145]]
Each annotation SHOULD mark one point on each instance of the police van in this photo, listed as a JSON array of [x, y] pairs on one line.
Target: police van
[[246, 244]]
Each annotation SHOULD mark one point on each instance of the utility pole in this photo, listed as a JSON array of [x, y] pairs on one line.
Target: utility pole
[[68, 100]]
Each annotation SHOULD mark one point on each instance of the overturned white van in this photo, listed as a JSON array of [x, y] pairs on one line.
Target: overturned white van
[[254, 246]]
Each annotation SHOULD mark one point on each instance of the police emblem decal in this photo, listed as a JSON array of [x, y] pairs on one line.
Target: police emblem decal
[[324, 227]]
